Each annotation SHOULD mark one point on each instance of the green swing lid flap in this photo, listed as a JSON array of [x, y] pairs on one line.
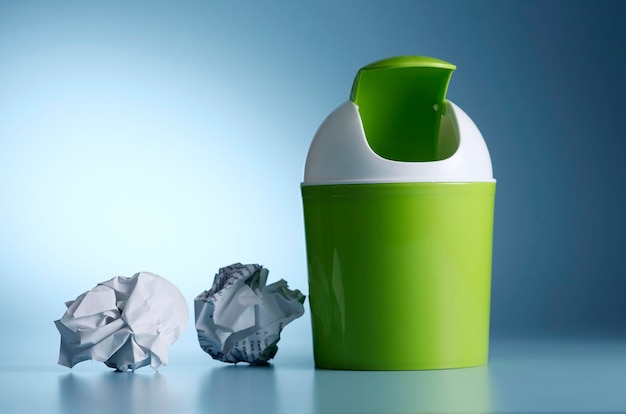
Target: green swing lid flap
[[401, 102]]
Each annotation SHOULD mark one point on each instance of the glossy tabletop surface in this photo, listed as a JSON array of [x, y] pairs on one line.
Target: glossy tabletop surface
[[522, 376]]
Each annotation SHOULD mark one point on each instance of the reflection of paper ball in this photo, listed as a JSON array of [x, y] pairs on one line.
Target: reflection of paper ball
[[125, 322]]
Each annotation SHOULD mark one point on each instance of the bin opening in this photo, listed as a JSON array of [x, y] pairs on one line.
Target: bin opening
[[402, 105]]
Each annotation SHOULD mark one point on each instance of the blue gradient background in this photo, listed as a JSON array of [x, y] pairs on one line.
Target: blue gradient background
[[170, 137]]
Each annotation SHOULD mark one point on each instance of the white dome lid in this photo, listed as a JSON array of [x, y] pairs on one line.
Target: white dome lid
[[341, 154]]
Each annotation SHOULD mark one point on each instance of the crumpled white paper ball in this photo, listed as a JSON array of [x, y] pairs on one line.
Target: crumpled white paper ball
[[125, 322], [240, 318]]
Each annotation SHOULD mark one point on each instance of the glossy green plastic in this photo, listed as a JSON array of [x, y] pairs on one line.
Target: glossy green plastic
[[401, 101], [399, 274]]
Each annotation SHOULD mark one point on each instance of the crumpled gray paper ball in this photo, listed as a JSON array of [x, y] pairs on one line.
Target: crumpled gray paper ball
[[240, 319], [125, 322]]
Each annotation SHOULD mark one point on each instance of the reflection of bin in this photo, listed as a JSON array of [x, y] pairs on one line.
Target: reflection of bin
[[398, 198]]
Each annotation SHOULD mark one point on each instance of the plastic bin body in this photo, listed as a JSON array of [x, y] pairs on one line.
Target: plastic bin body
[[398, 253], [399, 274]]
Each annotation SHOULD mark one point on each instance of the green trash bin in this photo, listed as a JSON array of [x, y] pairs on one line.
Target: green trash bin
[[398, 199]]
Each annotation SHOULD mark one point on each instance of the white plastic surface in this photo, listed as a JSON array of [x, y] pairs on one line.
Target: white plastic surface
[[340, 154]]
